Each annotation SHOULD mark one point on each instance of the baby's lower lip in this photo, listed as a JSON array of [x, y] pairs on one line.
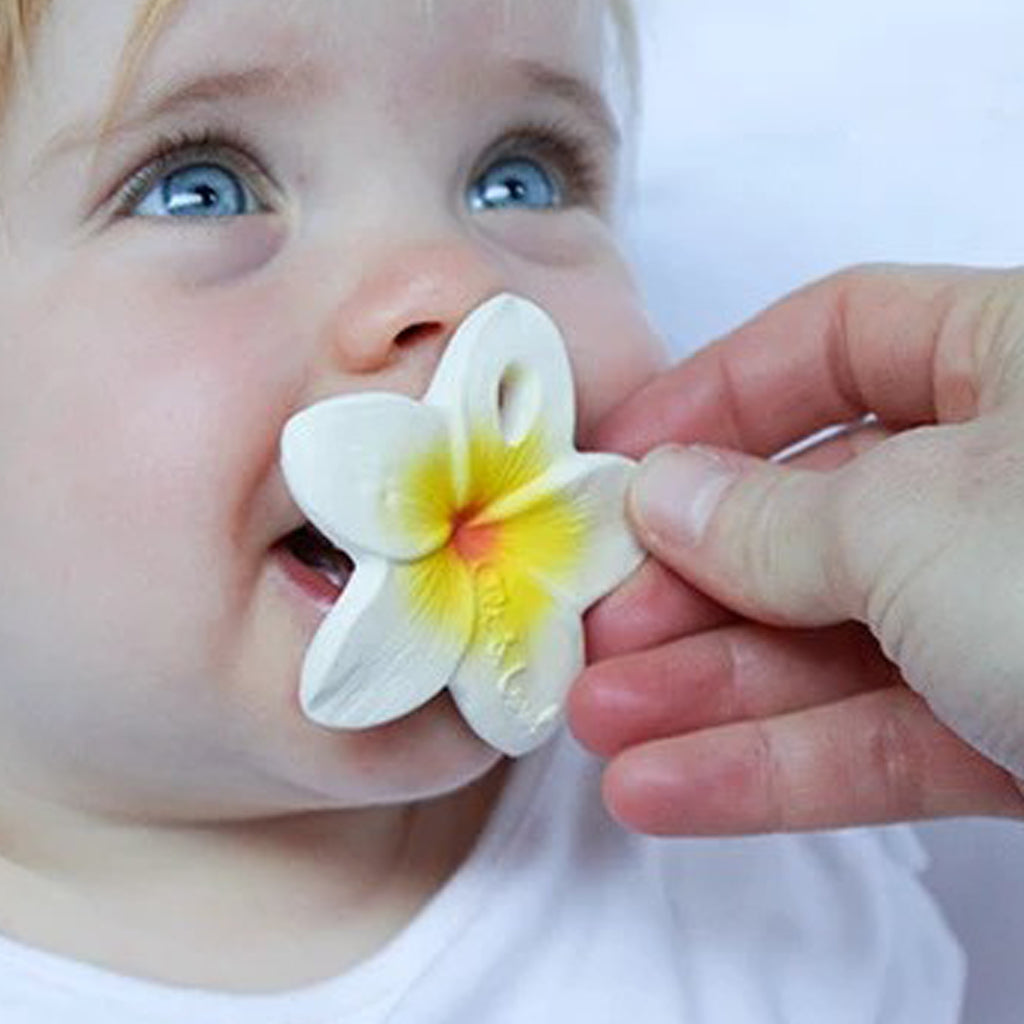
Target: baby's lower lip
[[313, 585]]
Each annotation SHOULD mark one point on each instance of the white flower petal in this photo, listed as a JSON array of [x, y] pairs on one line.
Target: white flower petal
[[511, 689], [586, 491], [480, 535], [351, 463], [506, 374], [376, 656]]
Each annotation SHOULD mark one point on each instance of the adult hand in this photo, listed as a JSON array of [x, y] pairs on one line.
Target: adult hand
[[862, 659]]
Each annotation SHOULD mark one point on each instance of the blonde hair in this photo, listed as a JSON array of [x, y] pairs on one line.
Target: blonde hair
[[19, 24], [627, 37], [18, 21]]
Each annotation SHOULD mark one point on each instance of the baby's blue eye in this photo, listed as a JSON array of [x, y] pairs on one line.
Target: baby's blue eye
[[198, 190], [515, 183]]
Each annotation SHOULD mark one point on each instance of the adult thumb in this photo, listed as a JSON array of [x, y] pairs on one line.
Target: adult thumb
[[755, 535]]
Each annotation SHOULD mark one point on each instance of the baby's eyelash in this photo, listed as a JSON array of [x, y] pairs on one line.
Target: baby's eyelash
[[585, 170], [172, 151]]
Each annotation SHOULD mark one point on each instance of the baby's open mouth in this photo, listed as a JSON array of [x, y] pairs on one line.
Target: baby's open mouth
[[315, 562]]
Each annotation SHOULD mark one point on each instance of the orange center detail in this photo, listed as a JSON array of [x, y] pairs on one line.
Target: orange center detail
[[473, 542]]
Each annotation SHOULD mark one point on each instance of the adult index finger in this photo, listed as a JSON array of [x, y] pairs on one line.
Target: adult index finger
[[876, 757], [905, 343]]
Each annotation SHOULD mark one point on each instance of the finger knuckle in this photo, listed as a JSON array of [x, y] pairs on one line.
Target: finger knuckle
[[896, 765], [774, 811], [881, 510], [761, 539]]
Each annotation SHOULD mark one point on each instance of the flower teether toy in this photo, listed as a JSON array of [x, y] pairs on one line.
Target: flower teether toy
[[479, 535]]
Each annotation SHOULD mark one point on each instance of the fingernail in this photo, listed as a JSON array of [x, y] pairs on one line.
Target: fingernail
[[676, 491]]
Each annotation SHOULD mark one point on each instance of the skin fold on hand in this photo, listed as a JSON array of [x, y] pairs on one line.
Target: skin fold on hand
[[837, 637]]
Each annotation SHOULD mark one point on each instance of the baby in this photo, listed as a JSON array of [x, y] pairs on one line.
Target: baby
[[215, 214]]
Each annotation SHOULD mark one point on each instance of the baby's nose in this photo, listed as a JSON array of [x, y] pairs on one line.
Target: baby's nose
[[412, 300]]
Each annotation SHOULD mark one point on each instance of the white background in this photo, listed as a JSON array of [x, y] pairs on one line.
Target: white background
[[785, 139]]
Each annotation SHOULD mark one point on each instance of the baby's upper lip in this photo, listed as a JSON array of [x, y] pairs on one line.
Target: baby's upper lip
[[285, 515], [289, 519], [288, 530]]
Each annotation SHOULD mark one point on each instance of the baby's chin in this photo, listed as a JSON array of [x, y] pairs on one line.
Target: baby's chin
[[427, 753]]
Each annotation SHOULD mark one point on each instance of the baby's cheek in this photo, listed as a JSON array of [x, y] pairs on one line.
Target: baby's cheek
[[143, 424], [593, 298], [614, 352]]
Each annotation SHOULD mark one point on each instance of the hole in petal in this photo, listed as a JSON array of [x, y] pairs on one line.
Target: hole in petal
[[518, 403]]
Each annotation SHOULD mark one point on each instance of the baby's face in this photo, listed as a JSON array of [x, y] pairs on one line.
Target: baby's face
[[298, 200]]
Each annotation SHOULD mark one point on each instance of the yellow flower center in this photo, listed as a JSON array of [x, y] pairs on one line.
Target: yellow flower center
[[507, 556], [474, 542]]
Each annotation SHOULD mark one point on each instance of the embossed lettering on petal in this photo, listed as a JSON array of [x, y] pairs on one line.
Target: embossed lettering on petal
[[479, 535]]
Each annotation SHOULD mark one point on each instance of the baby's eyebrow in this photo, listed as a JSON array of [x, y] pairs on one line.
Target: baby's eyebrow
[[290, 85], [298, 83], [588, 100], [260, 81]]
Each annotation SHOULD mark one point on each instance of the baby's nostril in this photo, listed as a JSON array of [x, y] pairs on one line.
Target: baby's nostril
[[418, 332]]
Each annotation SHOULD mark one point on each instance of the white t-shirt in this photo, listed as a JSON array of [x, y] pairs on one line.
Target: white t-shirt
[[561, 916]]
